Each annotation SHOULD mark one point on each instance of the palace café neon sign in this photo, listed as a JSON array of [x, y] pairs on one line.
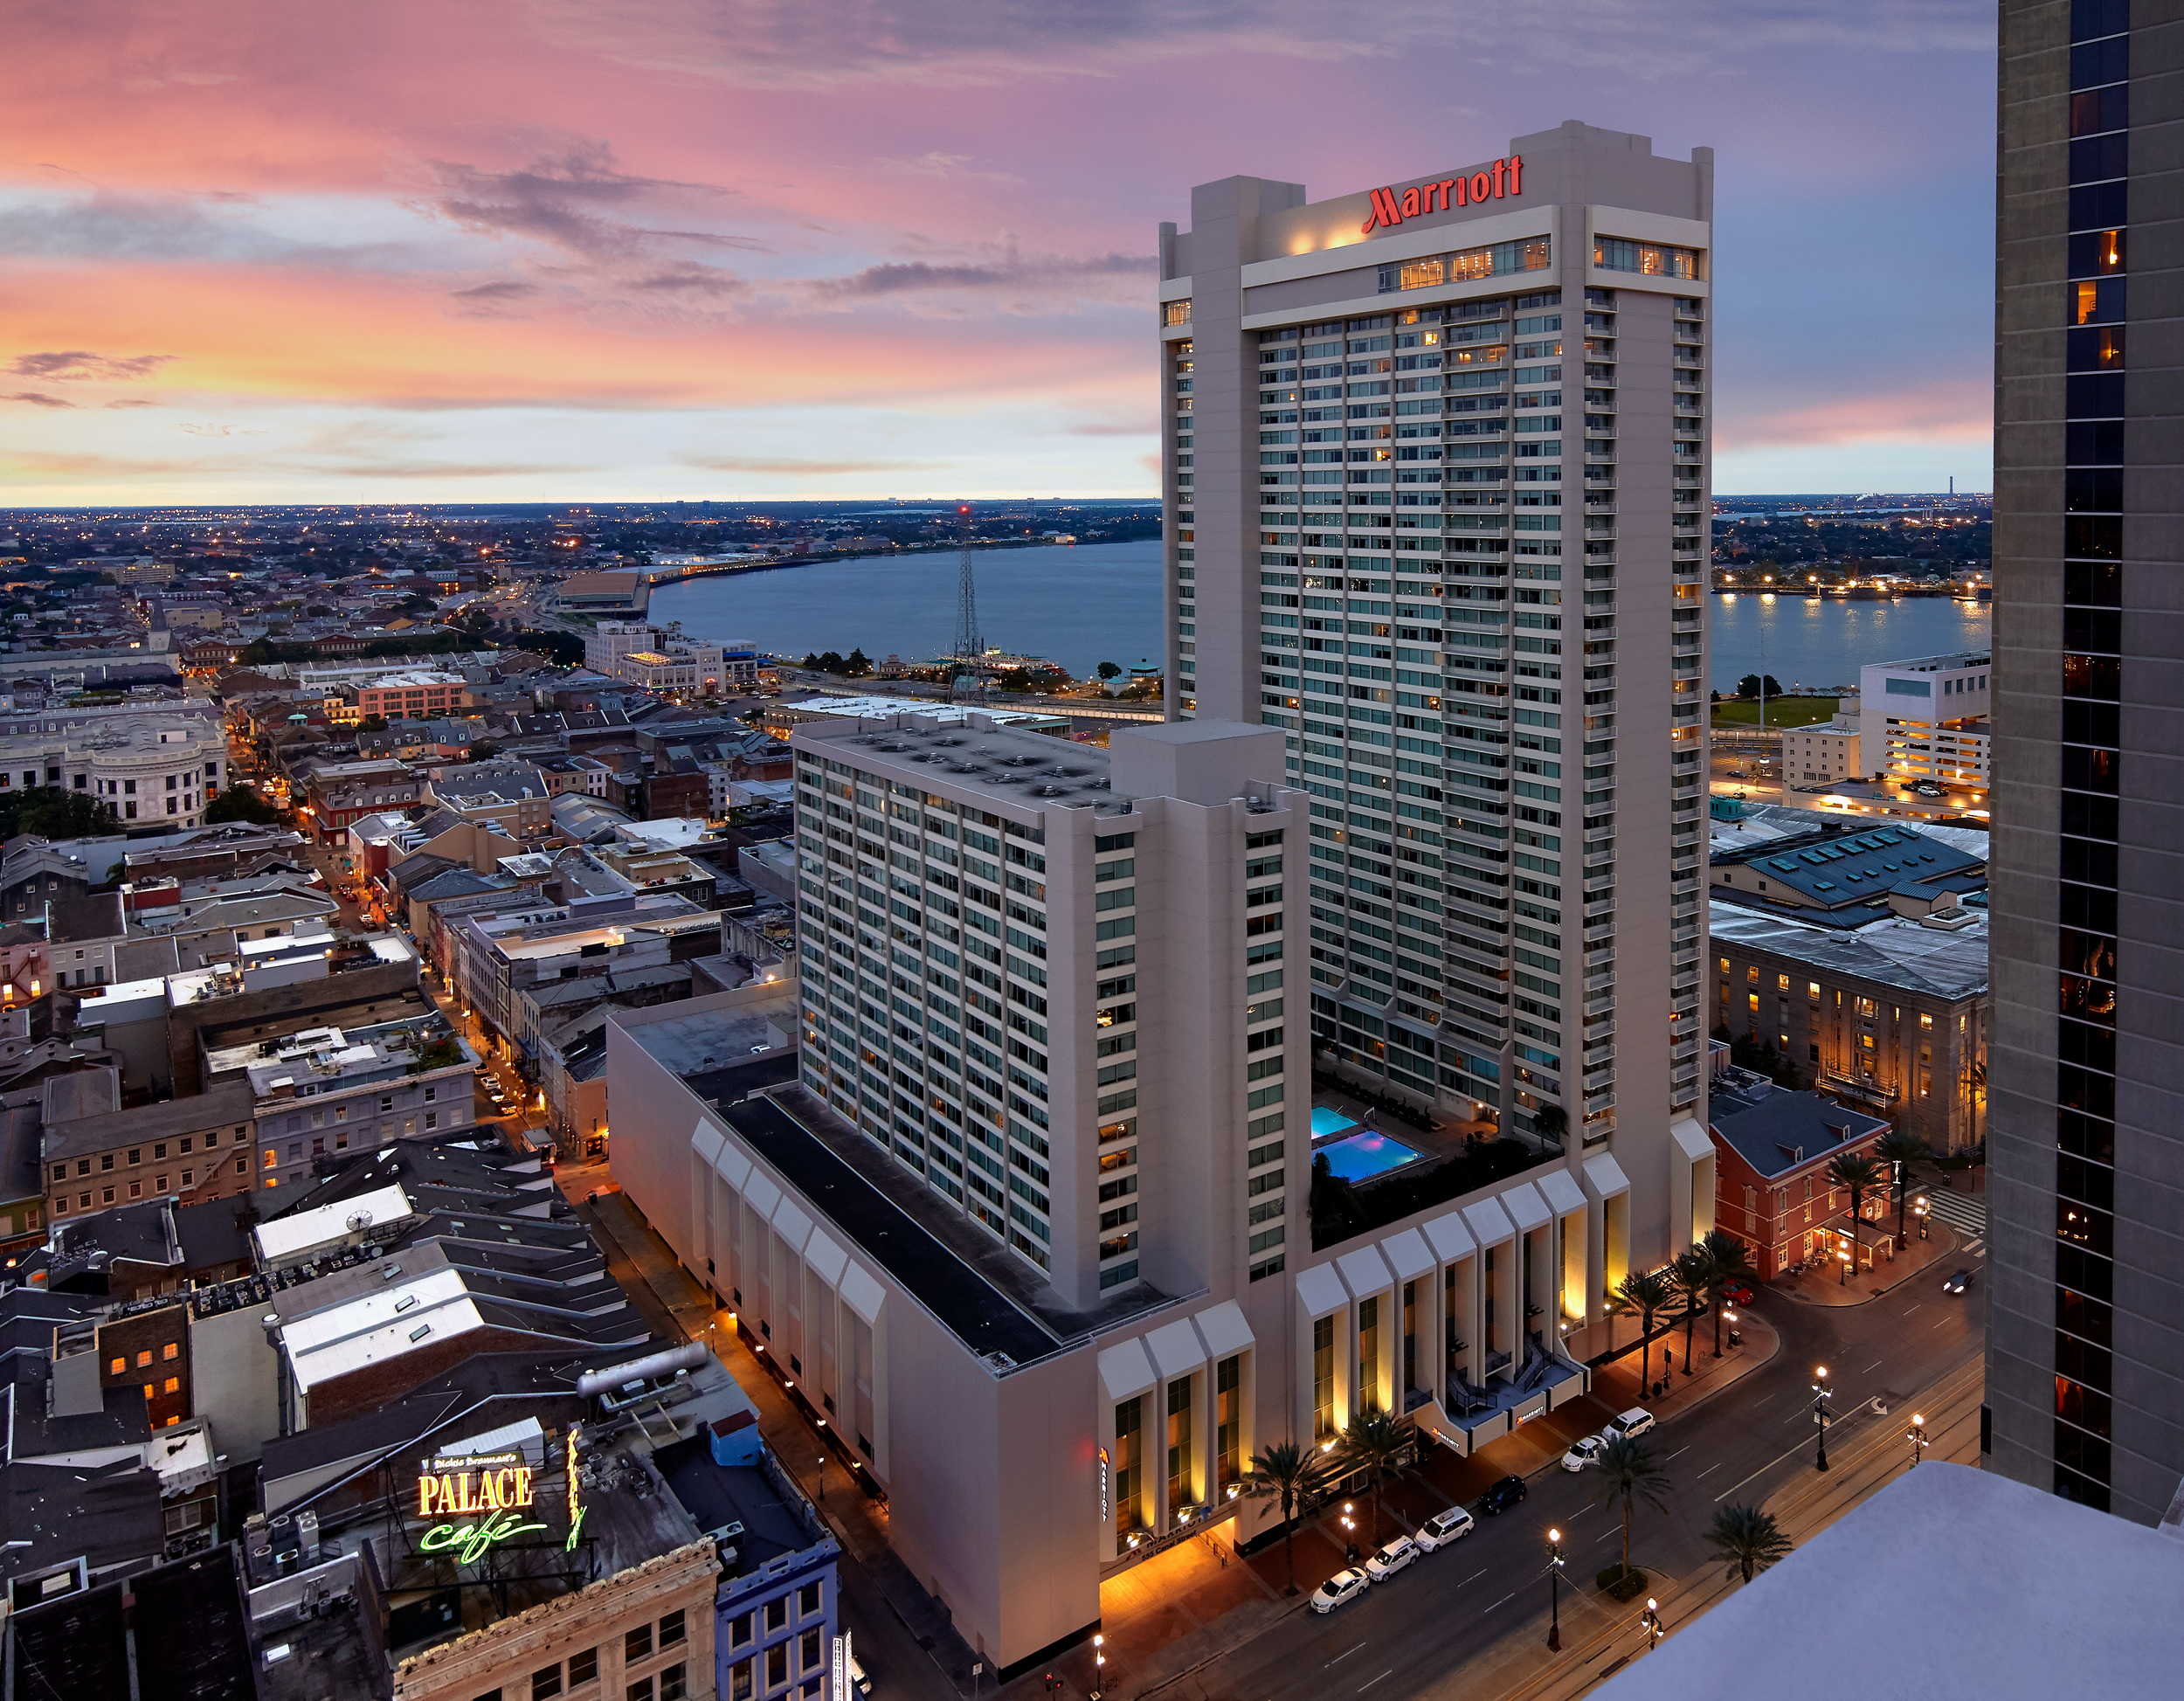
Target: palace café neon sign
[[1390, 208], [495, 1489]]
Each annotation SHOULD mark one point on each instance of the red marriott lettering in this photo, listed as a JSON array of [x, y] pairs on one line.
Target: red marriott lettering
[[1390, 208]]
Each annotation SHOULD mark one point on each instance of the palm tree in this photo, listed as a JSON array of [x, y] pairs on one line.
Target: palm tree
[[1731, 1263], [1748, 1539], [1644, 1295], [1904, 1153], [1628, 1473], [1694, 1270], [1294, 1473], [1374, 1443], [1857, 1174]]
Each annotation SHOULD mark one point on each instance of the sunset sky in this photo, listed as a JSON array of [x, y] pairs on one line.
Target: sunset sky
[[609, 250]]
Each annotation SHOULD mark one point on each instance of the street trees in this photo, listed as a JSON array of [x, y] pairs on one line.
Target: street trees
[[1644, 1295], [1747, 1540], [1731, 1262], [1626, 1474], [1374, 1443], [1694, 1271], [1857, 1175], [1294, 1474], [1903, 1153]]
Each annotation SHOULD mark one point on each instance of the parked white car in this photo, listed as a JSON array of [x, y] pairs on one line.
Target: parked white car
[[1628, 1426], [1343, 1586], [1443, 1528], [1392, 1557], [1582, 1453]]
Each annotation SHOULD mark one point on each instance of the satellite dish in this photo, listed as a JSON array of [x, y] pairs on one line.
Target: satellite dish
[[359, 1221]]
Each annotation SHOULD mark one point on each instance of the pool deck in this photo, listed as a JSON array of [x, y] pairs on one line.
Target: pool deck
[[1444, 1139]]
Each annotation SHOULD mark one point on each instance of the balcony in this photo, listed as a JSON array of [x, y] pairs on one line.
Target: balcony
[[1863, 1088]]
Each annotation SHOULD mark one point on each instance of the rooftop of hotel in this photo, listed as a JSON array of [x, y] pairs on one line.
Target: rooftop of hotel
[[980, 1292], [975, 754]]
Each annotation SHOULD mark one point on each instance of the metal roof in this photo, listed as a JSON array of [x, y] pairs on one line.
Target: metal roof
[[1897, 952]]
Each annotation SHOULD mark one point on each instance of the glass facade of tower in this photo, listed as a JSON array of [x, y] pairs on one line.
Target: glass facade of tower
[[2082, 1360]]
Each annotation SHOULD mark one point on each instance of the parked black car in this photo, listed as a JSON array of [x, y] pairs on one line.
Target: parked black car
[[1504, 1495]]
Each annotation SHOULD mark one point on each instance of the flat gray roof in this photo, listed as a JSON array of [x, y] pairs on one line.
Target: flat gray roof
[[1923, 962]]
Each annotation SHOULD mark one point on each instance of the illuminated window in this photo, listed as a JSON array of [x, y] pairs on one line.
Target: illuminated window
[[174, 1385]]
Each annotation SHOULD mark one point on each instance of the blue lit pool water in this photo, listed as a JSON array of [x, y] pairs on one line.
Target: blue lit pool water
[[1365, 1155], [1326, 1120]]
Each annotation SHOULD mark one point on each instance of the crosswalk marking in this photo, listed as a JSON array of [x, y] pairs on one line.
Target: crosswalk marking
[[1966, 1213]]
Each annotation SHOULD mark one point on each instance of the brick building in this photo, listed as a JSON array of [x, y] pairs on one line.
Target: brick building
[[1772, 1150]]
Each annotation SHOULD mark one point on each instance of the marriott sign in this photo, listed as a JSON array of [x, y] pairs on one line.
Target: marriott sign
[[1391, 209]]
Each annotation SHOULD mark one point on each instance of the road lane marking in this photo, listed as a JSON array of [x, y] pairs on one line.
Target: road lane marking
[[1511, 1596], [1344, 1654], [1944, 1323], [1708, 1472], [1762, 1471], [1608, 1535], [1474, 1577], [1914, 1308], [1389, 1672], [1678, 1454], [1875, 1366]]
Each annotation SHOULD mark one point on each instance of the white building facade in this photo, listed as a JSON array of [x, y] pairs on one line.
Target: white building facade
[[1439, 511], [156, 768], [1926, 718]]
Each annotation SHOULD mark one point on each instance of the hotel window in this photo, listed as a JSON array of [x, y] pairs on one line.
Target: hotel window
[[808, 1651], [777, 1613], [672, 1687], [672, 1629], [1228, 1427], [1369, 1354], [1179, 1444], [777, 1664], [546, 1682], [739, 1681], [1128, 1418], [1322, 1377], [639, 1690], [637, 1644]]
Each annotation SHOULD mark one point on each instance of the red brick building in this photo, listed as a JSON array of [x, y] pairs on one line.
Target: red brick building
[[1772, 1150]]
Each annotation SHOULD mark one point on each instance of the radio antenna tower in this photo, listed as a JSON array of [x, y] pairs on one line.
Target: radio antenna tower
[[970, 646]]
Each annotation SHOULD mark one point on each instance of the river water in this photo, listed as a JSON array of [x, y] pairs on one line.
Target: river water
[[1084, 604], [1079, 605]]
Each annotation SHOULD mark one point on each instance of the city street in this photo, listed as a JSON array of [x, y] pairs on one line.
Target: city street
[[1472, 1618]]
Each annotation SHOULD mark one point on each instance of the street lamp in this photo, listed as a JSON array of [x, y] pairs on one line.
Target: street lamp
[[1554, 1591], [1350, 1531], [1919, 1209], [1916, 1437], [1822, 1395], [1099, 1666], [1735, 1338], [1655, 1628]]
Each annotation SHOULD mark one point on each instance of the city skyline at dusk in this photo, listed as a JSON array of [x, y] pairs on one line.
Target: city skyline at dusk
[[662, 251]]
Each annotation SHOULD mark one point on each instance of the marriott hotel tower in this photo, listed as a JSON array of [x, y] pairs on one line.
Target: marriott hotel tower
[[1437, 485]]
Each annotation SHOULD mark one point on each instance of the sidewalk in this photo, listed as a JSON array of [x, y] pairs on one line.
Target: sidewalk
[[1827, 1287], [1690, 1383]]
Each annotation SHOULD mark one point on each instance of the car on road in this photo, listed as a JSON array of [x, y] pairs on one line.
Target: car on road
[[1582, 1453], [1928, 789], [1443, 1528], [1343, 1586], [1957, 1282], [1739, 773], [1736, 1293], [1504, 1495], [1393, 1556], [1627, 1426]]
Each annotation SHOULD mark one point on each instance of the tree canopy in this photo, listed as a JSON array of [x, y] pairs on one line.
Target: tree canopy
[[53, 812]]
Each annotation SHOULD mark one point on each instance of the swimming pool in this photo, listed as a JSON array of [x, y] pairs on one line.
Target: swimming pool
[[1326, 1120], [1365, 1155]]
